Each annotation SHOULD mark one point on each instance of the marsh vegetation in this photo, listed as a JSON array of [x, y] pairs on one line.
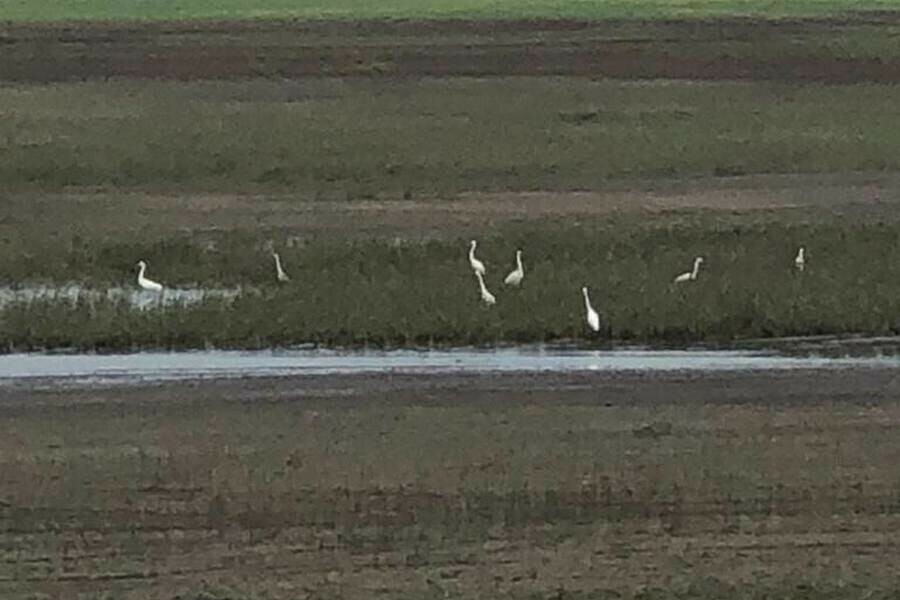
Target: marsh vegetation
[[421, 292]]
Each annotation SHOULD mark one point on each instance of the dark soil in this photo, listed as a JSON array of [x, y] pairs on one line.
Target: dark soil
[[825, 50], [773, 389]]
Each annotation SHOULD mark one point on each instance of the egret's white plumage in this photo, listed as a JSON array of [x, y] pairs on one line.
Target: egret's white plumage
[[279, 272], [477, 265], [486, 296], [800, 259], [147, 284], [593, 319], [690, 275], [515, 276]]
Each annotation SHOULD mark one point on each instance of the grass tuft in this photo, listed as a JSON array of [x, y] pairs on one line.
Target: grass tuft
[[440, 9]]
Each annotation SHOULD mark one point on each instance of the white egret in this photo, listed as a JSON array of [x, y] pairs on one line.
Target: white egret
[[145, 283], [485, 294], [477, 265], [690, 275], [279, 272], [593, 319], [800, 260], [515, 276]]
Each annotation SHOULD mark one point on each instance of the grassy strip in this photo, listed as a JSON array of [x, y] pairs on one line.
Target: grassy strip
[[406, 292], [362, 138], [14, 10]]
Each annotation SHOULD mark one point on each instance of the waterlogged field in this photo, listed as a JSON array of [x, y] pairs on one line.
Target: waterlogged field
[[434, 9], [369, 154]]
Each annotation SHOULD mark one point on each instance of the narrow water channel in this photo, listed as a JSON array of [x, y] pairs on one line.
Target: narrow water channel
[[229, 364]]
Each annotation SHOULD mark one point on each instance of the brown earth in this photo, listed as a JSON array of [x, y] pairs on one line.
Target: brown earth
[[406, 486], [118, 213], [796, 50]]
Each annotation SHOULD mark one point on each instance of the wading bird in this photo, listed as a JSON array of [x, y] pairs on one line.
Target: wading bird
[[593, 319], [515, 276], [279, 272], [145, 283], [485, 294], [477, 265], [800, 260], [690, 275]]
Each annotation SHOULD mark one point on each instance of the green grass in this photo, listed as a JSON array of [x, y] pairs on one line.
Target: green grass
[[419, 292], [363, 138], [64, 10]]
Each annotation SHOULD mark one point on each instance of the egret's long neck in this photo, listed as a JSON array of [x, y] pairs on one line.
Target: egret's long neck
[[472, 252], [696, 269], [587, 301], [519, 262], [277, 262], [141, 272]]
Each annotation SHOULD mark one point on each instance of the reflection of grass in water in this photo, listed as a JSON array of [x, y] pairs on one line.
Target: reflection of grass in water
[[419, 293]]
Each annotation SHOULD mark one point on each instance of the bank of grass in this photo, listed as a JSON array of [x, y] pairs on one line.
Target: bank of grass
[[112, 10], [367, 137], [420, 292]]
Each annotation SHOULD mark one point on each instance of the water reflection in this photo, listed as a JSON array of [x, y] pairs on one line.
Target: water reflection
[[134, 296], [226, 364]]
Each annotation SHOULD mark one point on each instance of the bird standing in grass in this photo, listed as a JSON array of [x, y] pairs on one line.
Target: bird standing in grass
[[515, 276], [486, 296], [690, 275], [800, 259], [279, 272], [593, 319], [477, 265], [147, 284]]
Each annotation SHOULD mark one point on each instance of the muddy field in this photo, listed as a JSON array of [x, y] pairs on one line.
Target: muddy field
[[526, 486], [122, 214], [849, 50]]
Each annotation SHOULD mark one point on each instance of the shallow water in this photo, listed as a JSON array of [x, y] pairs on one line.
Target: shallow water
[[161, 366], [133, 295]]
